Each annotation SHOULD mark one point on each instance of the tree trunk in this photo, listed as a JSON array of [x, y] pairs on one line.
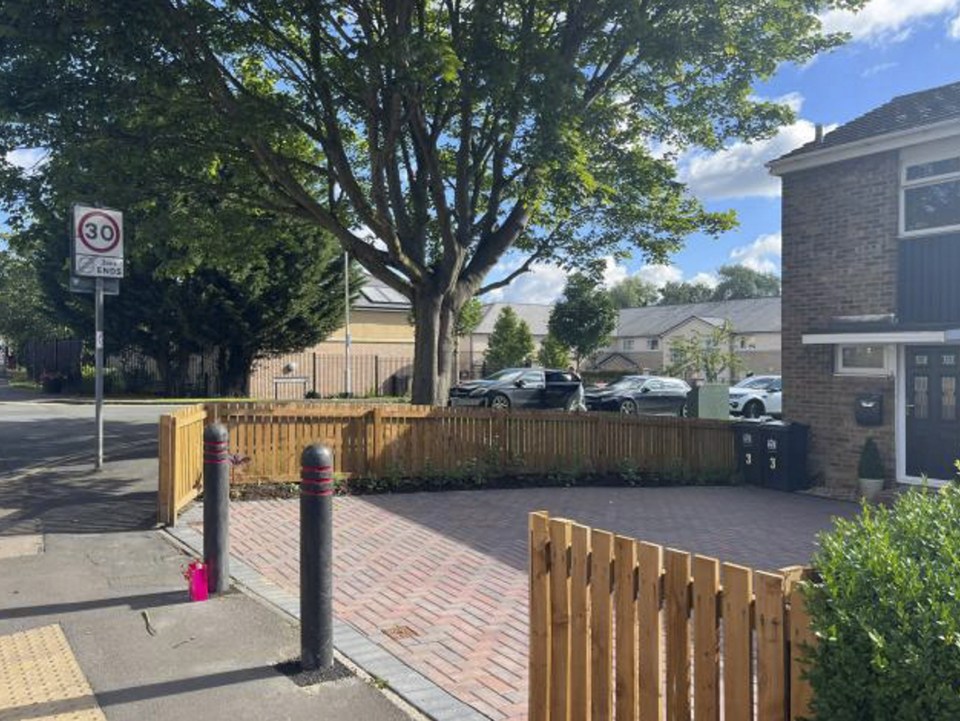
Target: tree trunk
[[434, 315], [233, 365]]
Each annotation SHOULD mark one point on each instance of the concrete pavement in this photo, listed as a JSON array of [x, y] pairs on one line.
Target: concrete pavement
[[79, 550]]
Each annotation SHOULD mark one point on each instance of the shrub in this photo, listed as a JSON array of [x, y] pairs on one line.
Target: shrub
[[871, 465], [887, 613]]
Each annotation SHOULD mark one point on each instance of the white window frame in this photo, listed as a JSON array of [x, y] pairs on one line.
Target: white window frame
[[889, 361], [628, 344], [930, 152], [653, 344]]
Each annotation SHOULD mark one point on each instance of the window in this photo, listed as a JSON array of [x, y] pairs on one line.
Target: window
[[864, 360], [930, 189], [653, 344], [628, 344]]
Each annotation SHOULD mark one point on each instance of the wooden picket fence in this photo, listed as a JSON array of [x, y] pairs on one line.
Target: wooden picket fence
[[181, 460], [627, 630], [380, 441]]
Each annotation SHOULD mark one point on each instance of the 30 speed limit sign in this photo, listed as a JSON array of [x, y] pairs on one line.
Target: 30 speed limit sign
[[97, 242]]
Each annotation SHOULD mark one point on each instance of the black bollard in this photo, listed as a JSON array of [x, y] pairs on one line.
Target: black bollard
[[316, 558], [216, 507]]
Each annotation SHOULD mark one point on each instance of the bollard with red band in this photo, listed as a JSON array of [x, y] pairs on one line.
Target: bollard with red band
[[216, 507], [316, 558]]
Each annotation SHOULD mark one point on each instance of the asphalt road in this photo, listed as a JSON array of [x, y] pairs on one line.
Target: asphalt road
[[37, 432]]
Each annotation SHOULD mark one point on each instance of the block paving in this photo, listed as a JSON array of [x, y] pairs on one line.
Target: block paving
[[439, 579]]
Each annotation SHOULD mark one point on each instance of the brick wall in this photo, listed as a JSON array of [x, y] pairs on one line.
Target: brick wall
[[839, 258]]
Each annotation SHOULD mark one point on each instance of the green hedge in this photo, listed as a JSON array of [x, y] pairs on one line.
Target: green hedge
[[886, 610]]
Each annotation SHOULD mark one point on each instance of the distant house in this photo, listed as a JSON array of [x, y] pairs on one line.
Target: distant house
[[473, 346], [381, 349], [643, 338], [871, 300]]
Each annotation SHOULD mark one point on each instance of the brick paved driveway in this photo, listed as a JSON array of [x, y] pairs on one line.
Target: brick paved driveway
[[439, 579]]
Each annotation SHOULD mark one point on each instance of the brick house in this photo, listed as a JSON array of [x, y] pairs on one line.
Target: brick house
[[644, 336], [871, 298]]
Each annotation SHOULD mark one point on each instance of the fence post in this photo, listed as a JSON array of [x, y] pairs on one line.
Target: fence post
[[216, 507], [316, 558]]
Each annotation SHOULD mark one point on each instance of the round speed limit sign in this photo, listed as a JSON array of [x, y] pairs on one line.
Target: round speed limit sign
[[99, 232]]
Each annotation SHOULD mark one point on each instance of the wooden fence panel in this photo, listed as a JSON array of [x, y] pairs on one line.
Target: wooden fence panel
[[539, 618], [746, 636], [625, 608], [737, 646], [559, 620], [389, 440], [801, 637], [677, 604], [651, 636], [771, 648], [180, 460], [601, 619], [580, 646], [706, 639]]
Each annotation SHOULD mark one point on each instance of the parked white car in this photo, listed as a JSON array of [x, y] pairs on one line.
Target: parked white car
[[757, 396]]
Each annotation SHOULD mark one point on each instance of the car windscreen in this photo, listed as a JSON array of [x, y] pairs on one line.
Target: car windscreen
[[506, 375], [755, 383], [625, 384]]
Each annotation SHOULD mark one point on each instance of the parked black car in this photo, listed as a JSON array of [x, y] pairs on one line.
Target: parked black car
[[518, 388], [647, 395]]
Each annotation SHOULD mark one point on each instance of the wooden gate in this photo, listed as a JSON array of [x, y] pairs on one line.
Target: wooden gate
[[627, 630]]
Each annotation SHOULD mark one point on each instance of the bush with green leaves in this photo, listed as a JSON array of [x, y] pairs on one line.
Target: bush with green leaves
[[886, 612]]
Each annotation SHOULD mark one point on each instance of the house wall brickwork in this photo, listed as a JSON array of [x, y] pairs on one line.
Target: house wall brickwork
[[839, 258]]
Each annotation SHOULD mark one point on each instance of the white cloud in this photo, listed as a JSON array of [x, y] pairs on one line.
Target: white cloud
[[708, 279], [877, 69], [953, 30], [887, 21], [614, 272], [762, 255], [739, 171], [660, 275], [543, 284]]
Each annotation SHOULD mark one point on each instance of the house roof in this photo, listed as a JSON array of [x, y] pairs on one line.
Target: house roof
[[536, 316], [752, 315], [376, 295], [902, 113]]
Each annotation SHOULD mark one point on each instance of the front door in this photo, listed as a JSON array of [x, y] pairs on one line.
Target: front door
[[933, 426]]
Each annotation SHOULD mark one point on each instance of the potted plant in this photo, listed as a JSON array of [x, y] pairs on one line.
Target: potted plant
[[870, 470]]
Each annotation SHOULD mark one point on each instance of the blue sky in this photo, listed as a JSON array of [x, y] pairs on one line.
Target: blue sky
[[898, 47]]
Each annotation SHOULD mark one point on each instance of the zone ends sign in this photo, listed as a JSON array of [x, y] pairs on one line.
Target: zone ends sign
[[97, 242]]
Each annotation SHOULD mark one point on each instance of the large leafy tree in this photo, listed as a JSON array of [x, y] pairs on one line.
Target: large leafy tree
[[441, 134], [511, 343], [633, 292], [583, 318], [207, 269], [738, 281], [24, 311], [675, 293]]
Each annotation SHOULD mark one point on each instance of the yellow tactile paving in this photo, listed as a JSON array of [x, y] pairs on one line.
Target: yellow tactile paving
[[40, 679]]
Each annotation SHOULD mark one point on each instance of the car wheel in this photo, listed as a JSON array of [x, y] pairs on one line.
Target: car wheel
[[628, 407], [500, 402], [753, 409]]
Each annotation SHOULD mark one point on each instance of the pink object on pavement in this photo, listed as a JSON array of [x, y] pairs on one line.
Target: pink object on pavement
[[197, 578]]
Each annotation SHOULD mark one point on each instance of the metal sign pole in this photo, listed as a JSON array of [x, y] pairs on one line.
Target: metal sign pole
[[98, 360]]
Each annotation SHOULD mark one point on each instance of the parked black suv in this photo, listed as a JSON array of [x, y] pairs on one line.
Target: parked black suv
[[518, 388]]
